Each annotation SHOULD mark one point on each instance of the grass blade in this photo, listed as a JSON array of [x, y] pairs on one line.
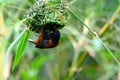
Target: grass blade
[[21, 48], [14, 43]]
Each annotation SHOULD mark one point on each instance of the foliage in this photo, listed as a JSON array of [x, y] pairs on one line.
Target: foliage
[[21, 48], [80, 55], [44, 13]]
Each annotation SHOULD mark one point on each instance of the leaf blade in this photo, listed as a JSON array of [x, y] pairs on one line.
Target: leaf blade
[[21, 48], [13, 44]]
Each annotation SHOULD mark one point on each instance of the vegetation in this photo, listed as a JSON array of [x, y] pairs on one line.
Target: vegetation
[[89, 47]]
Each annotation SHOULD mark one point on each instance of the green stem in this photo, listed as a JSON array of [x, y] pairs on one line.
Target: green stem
[[81, 21], [95, 34], [107, 49]]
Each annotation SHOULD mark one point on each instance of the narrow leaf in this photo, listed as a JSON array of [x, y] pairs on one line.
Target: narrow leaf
[[21, 48], [14, 43]]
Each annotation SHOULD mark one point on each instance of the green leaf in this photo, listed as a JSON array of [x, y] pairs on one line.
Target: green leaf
[[21, 48], [14, 43]]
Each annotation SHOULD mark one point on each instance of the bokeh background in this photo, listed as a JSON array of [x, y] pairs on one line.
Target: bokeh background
[[79, 56]]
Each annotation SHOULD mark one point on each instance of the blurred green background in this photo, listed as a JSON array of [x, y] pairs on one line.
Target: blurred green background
[[79, 56]]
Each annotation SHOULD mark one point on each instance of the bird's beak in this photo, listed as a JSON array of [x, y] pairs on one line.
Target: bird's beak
[[30, 40]]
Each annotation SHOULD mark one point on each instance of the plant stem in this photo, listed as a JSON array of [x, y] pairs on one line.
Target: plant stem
[[81, 21], [95, 34], [83, 56], [110, 21], [108, 49]]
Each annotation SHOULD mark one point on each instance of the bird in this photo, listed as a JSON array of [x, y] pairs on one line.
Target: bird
[[49, 38]]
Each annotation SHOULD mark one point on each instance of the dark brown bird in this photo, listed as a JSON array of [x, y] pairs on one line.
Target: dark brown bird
[[49, 37]]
